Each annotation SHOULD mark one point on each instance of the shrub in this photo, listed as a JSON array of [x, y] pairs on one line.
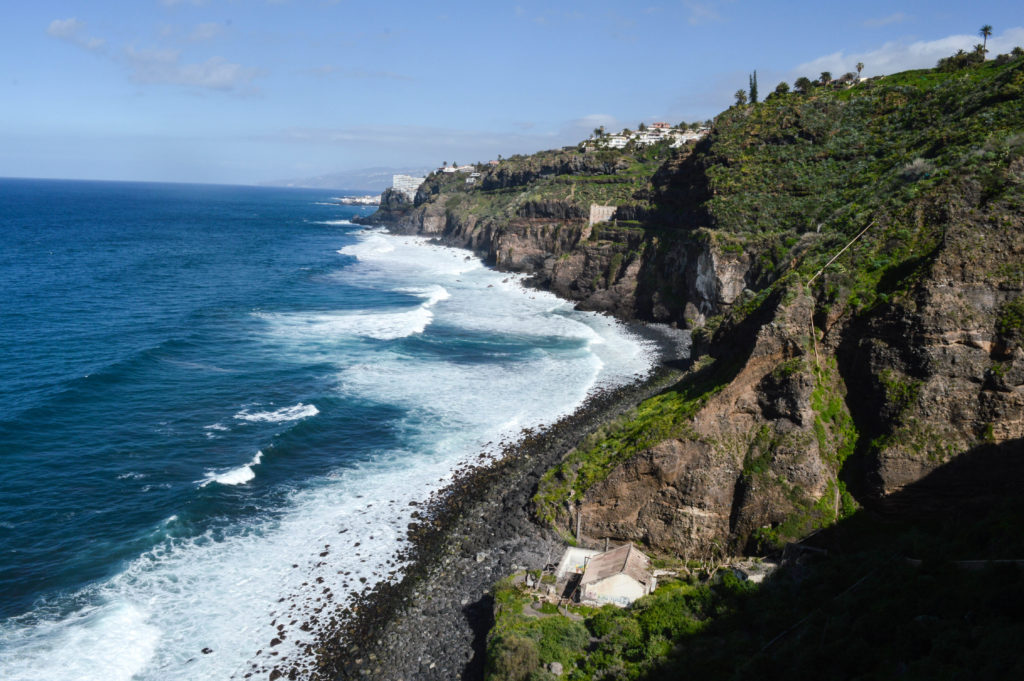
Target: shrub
[[1010, 323], [917, 169], [513, 658], [561, 639]]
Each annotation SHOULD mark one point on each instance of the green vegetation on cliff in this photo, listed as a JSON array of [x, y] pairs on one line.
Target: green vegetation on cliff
[[790, 183], [889, 600], [849, 259]]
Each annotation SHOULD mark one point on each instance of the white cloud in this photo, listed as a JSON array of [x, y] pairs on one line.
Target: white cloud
[[206, 31], [896, 18], [72, 30], [165, 67], [700, 12], [896, 56]]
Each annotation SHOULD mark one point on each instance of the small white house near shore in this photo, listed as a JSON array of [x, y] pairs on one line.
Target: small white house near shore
[[619, 577]]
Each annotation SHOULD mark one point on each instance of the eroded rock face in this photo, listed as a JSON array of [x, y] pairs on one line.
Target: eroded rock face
[[674, 495], [751, 459], [932, 375], [921, 380]]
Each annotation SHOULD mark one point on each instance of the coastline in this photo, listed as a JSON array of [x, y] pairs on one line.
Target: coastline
[[433, 622]]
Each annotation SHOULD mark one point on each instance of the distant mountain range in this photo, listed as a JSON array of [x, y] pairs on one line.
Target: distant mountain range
[[361, 180]]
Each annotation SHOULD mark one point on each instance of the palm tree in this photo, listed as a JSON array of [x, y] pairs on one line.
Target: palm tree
[[826, 77], [860, 67], [985, 32], [599, 131]]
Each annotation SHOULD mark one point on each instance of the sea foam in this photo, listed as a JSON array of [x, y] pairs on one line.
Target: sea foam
[[293, 413], [235, 476], [530, 358]]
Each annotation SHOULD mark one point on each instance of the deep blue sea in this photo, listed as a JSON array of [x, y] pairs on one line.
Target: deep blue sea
[[217, 402]]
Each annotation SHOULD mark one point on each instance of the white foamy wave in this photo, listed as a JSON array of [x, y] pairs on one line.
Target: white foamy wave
[[216, 426], [235, 476], [331, 326], [433, 294], [131, 475], [207, 607], [390, 256], [331, 222], [293, 413], [112, 642]]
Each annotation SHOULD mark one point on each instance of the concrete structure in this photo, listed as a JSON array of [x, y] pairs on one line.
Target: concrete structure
[[619, 577], [407, 184], [600, 214], [661, 126], [573, 562], [616, 142]]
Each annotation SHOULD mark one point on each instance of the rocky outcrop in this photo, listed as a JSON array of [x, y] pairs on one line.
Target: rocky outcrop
[[678, 278], [876, 401], [751, 459], [932, 373], [904, 354]]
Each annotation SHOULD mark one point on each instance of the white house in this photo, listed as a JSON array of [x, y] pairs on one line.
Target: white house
[[619, 577], [616, 142], [407, 184]]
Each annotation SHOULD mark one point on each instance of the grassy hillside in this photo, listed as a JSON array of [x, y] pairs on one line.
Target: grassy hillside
[[793, 180], [899, 364]]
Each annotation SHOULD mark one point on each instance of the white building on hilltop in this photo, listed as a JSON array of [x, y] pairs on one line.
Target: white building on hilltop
[[407, 184]]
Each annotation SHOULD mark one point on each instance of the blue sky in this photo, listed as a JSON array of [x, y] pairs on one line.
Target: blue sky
[[244, 91]]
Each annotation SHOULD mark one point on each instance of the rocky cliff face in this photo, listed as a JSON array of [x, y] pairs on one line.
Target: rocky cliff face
[[903, 354], [677, 278]]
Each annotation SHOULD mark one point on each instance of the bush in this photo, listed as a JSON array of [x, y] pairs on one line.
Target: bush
[[561, 639], [917, 169], [513, 658], [1010, 323]]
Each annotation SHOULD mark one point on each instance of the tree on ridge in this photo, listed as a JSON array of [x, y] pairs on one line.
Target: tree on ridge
[[860, 67], [985, 32]]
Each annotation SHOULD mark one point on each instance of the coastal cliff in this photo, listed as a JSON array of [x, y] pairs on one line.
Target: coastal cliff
[[818, 385]]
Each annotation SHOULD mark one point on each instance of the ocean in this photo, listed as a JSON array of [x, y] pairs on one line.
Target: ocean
[[220, 407]]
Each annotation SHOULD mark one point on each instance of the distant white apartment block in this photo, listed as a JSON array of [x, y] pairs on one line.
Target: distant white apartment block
[[407, 184]]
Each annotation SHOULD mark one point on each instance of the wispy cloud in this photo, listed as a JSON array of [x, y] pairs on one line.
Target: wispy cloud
[[422, 144], [896, 18], [896, 56], [550, 17], [329, 70], [166, 67], [701, 12], [73, 31], [206, 31]]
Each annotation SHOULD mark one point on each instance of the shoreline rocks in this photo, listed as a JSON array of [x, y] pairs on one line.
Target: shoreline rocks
[[433, 623]]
